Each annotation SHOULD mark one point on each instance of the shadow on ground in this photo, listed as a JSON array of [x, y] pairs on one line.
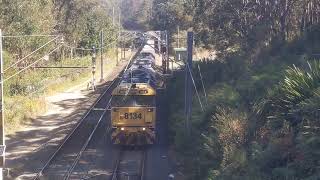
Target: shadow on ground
[[29, 149]]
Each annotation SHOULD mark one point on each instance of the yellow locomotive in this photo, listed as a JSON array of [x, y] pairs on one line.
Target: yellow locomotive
[[133, 114], [133, 104]]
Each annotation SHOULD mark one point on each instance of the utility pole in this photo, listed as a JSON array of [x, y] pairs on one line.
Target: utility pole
[[2, 139], [92, 84], [113, 16], [62, 51], [119, 35], [167, 54], [71, 53], [63, 54], [178, 37], [188, 83], [123, 51], [159, 43], [113, 26], [163, 52], [101, 56]]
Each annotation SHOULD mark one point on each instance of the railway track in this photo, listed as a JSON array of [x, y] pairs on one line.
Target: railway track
[[130, 165], [61, 163], [65, 155], [64, 159]]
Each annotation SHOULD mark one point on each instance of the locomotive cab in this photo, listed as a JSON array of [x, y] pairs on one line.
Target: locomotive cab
[[133, 114]]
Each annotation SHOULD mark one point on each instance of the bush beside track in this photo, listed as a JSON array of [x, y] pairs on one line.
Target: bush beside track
[[239, 136]]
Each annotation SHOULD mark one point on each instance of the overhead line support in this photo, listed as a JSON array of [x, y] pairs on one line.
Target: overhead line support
[[2, 139], [101, 56], [188, 83], [94, 60]]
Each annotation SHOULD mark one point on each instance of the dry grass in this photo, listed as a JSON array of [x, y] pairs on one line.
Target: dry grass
[[21, 109]]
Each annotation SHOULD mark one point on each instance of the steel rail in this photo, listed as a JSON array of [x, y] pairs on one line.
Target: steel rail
[[116, 168], [91, 108], [115, 172], [84, 147], [142, 171], [74, 129]]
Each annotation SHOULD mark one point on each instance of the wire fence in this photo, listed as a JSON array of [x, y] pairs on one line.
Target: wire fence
[[26, 36]]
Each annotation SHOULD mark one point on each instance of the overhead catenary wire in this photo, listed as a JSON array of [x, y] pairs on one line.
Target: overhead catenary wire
[[33, 35], [30, 54], [32, 64], [48, 84], [43, 88], [90, 49], [195, 87], [75, 48], [203, 86]]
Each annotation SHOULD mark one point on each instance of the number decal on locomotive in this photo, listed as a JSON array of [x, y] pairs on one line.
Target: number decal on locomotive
[[132, 115]]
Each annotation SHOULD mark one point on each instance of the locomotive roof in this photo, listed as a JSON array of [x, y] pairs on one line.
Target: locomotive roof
[[142, 89], [140, 75]]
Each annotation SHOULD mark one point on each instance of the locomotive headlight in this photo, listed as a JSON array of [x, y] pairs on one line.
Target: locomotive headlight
[[143, 129], [150, 110], [122, 129]]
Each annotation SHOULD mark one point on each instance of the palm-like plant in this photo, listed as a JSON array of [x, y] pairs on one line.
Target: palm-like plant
[[295, 103], [298, 86]]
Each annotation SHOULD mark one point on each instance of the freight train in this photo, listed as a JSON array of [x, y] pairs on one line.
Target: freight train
[[133, 104]]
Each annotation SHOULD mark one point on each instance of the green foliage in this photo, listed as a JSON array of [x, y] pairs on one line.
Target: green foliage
[[247, 27], [25, 17], [298, 86], [168, 14], [79, 21], [280, 142]]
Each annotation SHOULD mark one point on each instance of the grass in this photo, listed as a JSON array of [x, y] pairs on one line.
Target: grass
[[21, 109], [24, 95], [82, 77]]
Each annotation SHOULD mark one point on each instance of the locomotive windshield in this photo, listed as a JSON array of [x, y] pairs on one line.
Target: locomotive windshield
[[142, 62], [126, 101]]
